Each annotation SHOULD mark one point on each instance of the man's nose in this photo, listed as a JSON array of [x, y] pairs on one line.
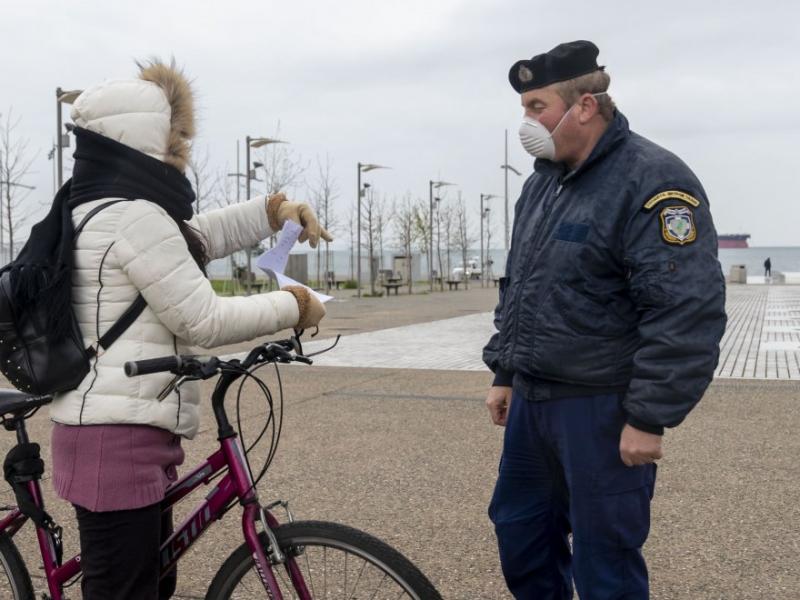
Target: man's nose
[[531, 114]]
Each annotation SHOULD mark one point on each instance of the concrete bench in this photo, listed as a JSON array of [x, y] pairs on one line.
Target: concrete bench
[[451, 283], [392, 286]]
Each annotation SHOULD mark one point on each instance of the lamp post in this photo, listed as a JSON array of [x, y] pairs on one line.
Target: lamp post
[[62, 97], [252, 142], [438, 202], [507, 167], [432, 184], [362, 168], [484, 212]]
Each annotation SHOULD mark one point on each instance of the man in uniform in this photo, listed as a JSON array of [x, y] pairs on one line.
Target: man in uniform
[[609, 322]]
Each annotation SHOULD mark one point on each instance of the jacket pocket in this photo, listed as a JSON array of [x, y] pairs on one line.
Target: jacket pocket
[[576, 340], [585, 315]]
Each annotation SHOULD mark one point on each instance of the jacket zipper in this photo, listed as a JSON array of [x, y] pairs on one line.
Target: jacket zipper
[[536, 246]]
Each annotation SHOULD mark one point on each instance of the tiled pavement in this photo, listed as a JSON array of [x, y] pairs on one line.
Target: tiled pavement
[[762, 340]]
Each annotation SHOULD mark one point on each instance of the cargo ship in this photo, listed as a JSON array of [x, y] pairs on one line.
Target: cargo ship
[[734, 240]]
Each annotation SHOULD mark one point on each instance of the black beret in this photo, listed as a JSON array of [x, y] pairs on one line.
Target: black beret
[[565, 61]]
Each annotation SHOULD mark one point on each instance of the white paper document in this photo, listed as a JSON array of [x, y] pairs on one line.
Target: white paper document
[[273, 261]]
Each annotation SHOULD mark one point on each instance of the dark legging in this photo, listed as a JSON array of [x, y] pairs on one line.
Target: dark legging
[[119, 554]]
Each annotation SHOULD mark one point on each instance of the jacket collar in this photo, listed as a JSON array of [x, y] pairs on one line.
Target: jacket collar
[[616, 133]]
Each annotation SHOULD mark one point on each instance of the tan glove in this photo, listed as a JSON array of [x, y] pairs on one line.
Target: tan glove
[[311, 309], [279, 210]]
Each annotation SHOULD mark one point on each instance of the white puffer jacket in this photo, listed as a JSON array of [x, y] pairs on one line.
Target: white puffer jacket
[[134, 246]]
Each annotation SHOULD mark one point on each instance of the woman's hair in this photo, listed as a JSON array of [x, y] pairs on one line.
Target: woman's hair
[[196, 243], [591, 83]]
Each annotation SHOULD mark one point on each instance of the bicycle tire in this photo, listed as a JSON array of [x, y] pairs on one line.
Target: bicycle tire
[[312, 536], [15, 581]]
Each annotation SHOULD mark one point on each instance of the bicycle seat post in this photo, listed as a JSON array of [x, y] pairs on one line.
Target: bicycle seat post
[[17, 424]]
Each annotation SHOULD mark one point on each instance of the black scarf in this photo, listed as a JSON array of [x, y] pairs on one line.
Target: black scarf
[[104, 168]]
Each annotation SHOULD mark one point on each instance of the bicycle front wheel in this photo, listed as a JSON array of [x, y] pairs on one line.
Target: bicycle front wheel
[[335, 561], [15, 583]]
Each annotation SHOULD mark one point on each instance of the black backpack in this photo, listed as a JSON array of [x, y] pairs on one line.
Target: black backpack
[[35, 360]]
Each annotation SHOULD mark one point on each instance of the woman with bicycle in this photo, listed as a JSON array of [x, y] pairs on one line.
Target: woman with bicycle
[[116, 441]]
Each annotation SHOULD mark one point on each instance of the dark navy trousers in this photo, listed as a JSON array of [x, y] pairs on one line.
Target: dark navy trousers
[[561, 472]]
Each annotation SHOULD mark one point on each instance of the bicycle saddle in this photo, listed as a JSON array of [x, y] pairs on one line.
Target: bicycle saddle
[[17, 403]]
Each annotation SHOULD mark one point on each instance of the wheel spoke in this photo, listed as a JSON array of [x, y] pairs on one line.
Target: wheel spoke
[[284, 583], [310, 577], [360, 574], [330, 552], [345, 575], [379, 587]]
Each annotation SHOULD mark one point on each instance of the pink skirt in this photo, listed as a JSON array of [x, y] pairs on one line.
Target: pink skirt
[[113, 467]]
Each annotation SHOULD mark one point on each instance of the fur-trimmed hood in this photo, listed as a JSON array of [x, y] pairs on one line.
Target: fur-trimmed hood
[[153, 114]]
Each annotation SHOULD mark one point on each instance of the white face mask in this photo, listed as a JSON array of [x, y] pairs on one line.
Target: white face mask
[[535, 138]]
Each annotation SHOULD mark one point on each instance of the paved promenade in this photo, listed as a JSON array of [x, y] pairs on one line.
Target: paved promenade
[[762, 339], [409, 453]]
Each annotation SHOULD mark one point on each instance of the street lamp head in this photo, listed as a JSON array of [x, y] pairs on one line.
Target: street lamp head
[[263, 141], [438, 184], [67, 96], [257, 164], [510, 168], [371, 167]]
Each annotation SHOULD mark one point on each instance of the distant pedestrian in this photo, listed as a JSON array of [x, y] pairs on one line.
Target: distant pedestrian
[[768, 268]]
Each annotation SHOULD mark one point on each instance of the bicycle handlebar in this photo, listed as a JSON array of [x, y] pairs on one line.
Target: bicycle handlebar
[[134, 368], [203, 367]]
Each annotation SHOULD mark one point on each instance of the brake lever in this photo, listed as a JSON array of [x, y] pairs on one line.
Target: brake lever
[[295, 339], [331, 347], [175, 383]]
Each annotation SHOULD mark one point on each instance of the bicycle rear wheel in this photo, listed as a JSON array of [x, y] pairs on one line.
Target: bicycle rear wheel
[[15, 582], [336, 562]]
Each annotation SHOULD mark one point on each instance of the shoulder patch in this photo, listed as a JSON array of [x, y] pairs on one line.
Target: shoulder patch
[[671, 195], [677, 225]]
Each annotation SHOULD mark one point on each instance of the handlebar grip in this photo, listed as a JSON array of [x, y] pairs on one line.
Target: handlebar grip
[[152, 365]]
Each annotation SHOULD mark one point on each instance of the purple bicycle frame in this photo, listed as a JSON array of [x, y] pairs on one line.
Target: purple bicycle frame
[[234, 485]]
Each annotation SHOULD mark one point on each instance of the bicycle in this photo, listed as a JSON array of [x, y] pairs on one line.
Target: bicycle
[[289, 560]]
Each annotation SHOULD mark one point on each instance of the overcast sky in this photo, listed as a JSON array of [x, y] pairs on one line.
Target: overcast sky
[[421, 85]]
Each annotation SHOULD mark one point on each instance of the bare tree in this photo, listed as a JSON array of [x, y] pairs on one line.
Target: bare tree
[[206, 183], [463, 237], [449, 229], [352, 220], [438, 201], [489, 261], [384, 217], [283, 167], [15, 165], [375, 215], [405, 216], [323, 194], [225, 193], [369, 224], [423, 230]]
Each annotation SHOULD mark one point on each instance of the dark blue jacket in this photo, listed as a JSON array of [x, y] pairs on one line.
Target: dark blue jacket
[[613, 282]]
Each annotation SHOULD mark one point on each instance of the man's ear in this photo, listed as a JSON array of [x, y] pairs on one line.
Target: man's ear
[[588, 108]]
